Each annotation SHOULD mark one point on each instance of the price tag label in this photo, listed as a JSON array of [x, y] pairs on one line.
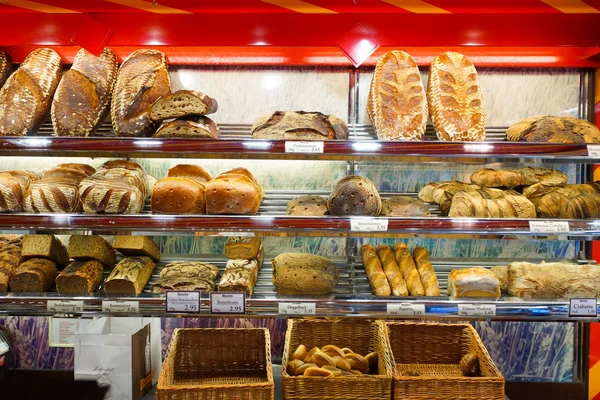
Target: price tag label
[[228, 302], [549, 226], [65, 306], [227, 234], [303, 147], [593, 150], [369, 224], [121, 306], [297, 308], [477, 310], [405, 309], [583, 308], [183, 302]]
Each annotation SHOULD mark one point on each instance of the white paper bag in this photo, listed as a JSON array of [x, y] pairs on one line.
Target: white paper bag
[[122, 353]]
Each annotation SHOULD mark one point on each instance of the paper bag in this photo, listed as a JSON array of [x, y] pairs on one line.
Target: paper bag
[[122, 353]]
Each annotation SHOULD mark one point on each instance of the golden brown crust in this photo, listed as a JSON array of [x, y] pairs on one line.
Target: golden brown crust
[[465, 204], [553, 130], [426, 272], [183, 103], [408, 269], [392, 271], [234, 192], [374, 270], [519, 177], [473, 282], [196, 126], [290, 125], [136, 246], [5, 67], [190, 171], [178, 196], [297, 273], [129, 276], [564, 203]]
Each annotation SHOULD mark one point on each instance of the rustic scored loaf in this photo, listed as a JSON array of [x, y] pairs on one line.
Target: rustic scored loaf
[[129, 276], [397, 103], [444, 196], [13, 189], [83, 95], [299, 274], [182, 103], [455, 99], [234, 192], [80, 277], [302, 125], [473, 282], [5, 67], [518, 177], [307, 205], [183, 283], [564, 203], [354, 195], [190, 269], [554, 130], [26, 97], [466, 204], [196, 126], [374, 270], [142, 79], [404, 206], [536, 192]]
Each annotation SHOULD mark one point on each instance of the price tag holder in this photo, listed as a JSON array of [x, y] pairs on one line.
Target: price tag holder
[[369, 224], [477, 310], [405, 309], [228, 302], [183, 302], [304, 147], [65, 306], [593, 150], [297, 308], [583, 308], [121, 306], [549, 227]]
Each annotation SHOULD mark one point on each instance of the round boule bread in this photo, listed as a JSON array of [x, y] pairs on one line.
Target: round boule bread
[[404, 206], [307, 206], [354, 195]]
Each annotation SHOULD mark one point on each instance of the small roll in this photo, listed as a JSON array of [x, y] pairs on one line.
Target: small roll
[[335, 371], [332, 351], [342, 363], [372, 359], [293, 366], [318, 372], [300, 353], [358, 362], [301, 369]]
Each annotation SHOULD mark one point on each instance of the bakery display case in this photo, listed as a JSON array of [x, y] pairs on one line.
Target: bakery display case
[[315, 267]]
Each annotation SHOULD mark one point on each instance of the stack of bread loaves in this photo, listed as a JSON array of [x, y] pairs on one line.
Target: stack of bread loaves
[[10, 258], [246, 255], [132, 273]]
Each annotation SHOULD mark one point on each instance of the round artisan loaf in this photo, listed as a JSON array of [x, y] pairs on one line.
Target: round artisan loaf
[[553, 130], [404, 206], [307, 206], [354, 195], [178, 196], [298, 273]]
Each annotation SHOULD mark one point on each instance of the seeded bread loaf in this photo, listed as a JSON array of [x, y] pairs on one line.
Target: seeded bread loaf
[[92, 247], [239, 276], [242, 247], [130, 276], [299, 274], [178, 196], [182, 103], [80, 277], [45, 246], [33, 275], [136, 246], [198, 127]]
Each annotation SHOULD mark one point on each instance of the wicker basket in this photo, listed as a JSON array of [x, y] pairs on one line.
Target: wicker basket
[[217, 364], [362, 336], [434, 351]]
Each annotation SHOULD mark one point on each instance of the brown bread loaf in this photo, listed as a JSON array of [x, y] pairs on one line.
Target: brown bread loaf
[[300, 274], [44, 246], [354, 195], [473, 282], [13, 189], [142, 79], [239, 276], [183, 283], [26, 96], [307, 205], [80, 277], [404, 206], [553, 130], [374, 270], [182, 103], [408, 269], [130, 276], [190, 171], [466, 204], [242, 247], [426, 272], [5, 67], [92, 247], [518, 177], [235, 192], [444, 196], [10, 258], [426, 192], [190, 269], [397, 98], [33, 275], [136, 246], [564, 203], [455, 99], [72, 171], [299, 125], [178, 196], [392, 271], [536, 192], [197, 126], [83, 95]]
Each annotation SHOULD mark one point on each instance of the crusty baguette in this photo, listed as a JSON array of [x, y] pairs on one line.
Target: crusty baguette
[[83, 95], [182, 103], [26, 96], [5, 67], [426, 272], [470, 205], [142, 79], [392, 270], [398, 106], [374, 270], [408, 270], [553, 130], [519, 177], [455, 99]]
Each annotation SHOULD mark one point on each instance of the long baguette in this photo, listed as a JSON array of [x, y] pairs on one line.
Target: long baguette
[[426, 271], [374, 271], [392, 271], [408, 270]]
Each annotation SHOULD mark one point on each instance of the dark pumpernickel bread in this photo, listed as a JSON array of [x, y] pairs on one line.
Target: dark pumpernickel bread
[[182, 103], [307, 206], [290, 125], [189, 127], [404, 206], [553, 130], [92, 247], [5, 67], [34, 275], [44, 246], [80, 277], [354, 195]]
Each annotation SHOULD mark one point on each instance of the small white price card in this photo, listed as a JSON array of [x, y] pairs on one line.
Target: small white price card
[[227, 302], [405, 309], [297, 308], [583, 308], [549, 226], [477, 310], [183, 302], [65, 306], [369, 224], [120, 306], [593, 150], [303, 147], [227, 234]]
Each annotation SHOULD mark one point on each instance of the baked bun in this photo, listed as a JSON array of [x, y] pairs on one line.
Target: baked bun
[[354, 195]]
